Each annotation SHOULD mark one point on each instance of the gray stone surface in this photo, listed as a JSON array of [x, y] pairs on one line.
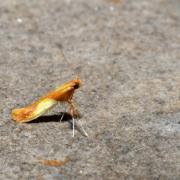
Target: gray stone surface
[[127, 54]]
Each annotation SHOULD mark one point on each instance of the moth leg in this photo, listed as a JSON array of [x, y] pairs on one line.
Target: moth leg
[[81, 129], [73, 110], [62, 117], [73, 125], [74, 113]]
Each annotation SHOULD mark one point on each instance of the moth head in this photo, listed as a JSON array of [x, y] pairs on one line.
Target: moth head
[[77, 82]]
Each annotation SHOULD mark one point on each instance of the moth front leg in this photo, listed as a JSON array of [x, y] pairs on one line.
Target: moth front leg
[[73, 110], [75, 114]]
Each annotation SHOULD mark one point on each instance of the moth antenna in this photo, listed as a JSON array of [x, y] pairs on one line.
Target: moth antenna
[[70, 65]]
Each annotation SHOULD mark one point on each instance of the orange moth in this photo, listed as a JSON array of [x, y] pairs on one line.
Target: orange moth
[[63, 93]]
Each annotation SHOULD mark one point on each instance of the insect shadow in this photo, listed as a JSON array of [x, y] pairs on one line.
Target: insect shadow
[[52, 118], [57, 118]]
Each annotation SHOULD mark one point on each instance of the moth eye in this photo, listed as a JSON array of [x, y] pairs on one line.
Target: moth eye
[[76, 86]]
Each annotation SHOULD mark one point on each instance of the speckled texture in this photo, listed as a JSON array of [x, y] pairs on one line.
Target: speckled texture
[[127, 54]]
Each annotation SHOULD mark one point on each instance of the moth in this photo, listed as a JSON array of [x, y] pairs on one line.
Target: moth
[[63, 93]]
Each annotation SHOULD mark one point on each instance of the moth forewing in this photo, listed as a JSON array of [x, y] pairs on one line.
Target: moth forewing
[[33, 111]]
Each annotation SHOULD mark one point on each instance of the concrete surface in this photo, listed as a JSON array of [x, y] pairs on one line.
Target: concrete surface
[[127, 54]]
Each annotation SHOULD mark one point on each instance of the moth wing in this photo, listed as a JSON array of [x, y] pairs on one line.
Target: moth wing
[[33, 111]]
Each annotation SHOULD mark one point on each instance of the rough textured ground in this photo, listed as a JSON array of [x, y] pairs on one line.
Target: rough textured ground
[[127, 54]]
